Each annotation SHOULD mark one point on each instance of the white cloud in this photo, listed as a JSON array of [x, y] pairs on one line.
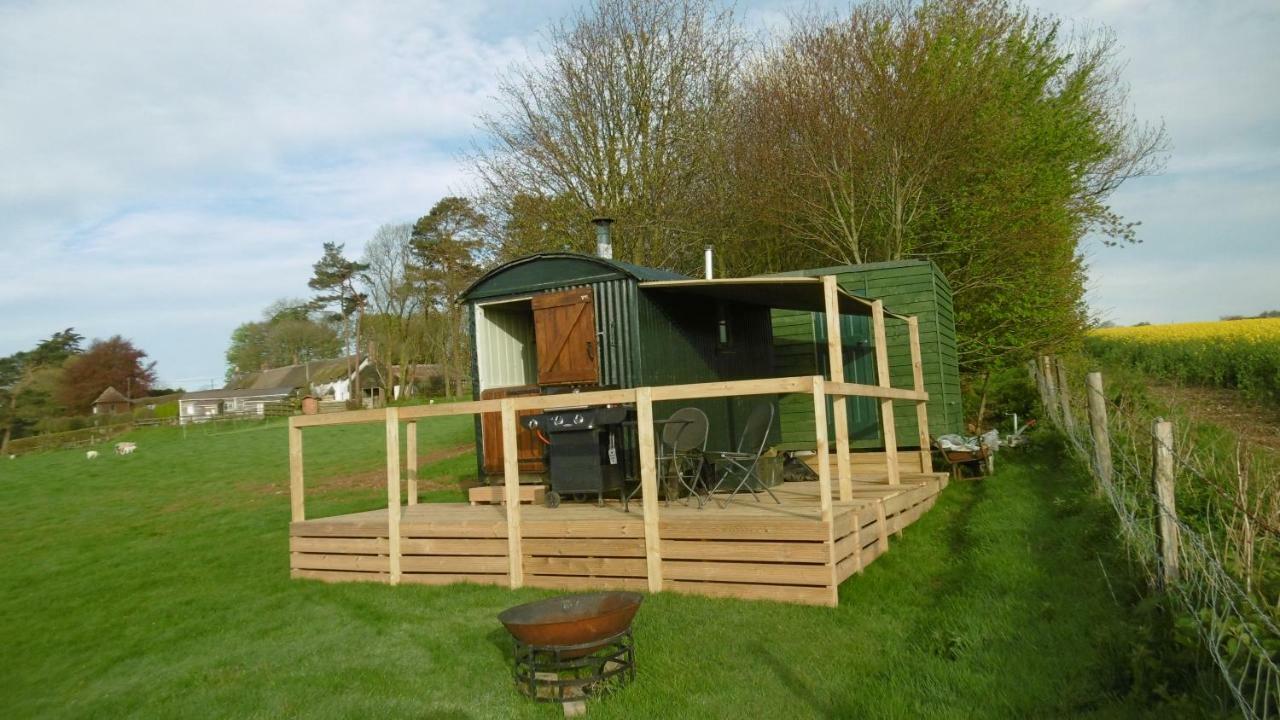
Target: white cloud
[[170, 169]]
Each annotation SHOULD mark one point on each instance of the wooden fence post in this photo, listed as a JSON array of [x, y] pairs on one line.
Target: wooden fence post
[[297, 498], [1166, 509], [511, 494], [1064, 397], [393, 494], [1050, 389], [922, 406], [1038, 379], [835, 358], [889, 429], [411, 460], [649, 487], [1099, 429]]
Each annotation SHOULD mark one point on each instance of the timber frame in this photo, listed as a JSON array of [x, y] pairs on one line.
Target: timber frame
[[702, 551]]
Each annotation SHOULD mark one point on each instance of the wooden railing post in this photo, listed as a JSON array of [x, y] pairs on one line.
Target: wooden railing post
[[649, 487], [922, 406], [393, 494], [297, 498], [823, 447], [1100, 431], [889, 429], [411, 460], [511, 493], [835, 358], [1064, 397], [825, 503], [1166, 508]]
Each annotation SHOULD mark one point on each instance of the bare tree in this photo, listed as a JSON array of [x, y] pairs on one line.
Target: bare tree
[[393, 303], [618, 121]]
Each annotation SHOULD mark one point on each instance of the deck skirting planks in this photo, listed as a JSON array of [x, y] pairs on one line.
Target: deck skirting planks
[[752, 551]]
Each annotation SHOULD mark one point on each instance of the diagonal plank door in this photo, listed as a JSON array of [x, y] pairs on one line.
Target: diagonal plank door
[[565, 328]]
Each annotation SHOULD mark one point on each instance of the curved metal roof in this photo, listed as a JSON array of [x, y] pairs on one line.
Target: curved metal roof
[[531, 280]]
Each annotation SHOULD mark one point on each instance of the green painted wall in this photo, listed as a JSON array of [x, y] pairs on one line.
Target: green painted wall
[[914, 287], [679, 343]]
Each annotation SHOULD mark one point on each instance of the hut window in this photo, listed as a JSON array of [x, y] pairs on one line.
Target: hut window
[[724, 338]]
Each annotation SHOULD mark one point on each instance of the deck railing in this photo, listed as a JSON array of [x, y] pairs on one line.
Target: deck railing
[[643, 399]]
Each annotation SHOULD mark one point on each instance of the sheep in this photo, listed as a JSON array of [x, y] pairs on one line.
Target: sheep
[[125, 448], [91, 454]]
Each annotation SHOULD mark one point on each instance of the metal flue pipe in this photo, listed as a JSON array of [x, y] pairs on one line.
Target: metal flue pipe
[[604, 241]]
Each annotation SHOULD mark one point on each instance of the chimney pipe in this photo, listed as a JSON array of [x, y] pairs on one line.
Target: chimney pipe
[[604, 243], [708, 263]]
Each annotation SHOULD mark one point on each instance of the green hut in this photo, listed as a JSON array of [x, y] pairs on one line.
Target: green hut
[[908, 287], [555, 321]]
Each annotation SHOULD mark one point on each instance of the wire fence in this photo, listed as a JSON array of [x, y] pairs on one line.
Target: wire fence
[[1211, 551]]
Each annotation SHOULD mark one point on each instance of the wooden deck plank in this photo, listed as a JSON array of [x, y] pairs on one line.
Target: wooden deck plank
[[779, 593], [334, 576], [362, 563], [593, 566], [452, 578], [453, 546], [745, 572], [339, 545], [568, 582], [463, 564], [592, 547], [804, 552]]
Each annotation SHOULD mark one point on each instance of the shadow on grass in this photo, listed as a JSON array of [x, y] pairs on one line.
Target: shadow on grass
[[820, 703]]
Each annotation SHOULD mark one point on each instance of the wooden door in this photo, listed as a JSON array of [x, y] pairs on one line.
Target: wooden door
[[528, 447], [565, 333]]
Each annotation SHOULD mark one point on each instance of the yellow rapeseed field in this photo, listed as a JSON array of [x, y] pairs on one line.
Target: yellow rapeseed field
[[1256, 330], [1242, 354]]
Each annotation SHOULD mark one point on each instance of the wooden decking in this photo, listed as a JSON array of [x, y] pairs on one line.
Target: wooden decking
[[752, 550]]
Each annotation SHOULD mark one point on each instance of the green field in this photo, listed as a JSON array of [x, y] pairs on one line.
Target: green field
[[157, 585]]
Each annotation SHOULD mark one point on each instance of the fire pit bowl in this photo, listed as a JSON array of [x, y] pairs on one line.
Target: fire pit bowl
[[572, 620]]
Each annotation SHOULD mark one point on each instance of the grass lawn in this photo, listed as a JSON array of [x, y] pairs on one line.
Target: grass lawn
[[157, 585]]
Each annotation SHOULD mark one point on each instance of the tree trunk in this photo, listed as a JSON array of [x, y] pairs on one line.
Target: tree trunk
[[356, 391], [982, 404]]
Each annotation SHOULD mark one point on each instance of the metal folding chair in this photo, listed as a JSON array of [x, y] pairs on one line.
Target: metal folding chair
[[681, 452], [742, 467]]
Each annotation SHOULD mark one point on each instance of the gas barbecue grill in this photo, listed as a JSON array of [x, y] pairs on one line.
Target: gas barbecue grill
[[583, 450]]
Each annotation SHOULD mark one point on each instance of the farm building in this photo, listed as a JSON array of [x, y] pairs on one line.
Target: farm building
[[200, 406], [111, 402], [553, 321], [915, 287]]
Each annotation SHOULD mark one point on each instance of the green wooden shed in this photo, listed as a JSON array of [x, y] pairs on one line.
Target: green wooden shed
[[908, 287], [563, 320], [555, 321]]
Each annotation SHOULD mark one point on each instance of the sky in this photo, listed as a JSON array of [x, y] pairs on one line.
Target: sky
[[167, 170]]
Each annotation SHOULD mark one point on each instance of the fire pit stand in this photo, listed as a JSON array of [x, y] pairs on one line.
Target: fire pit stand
[[570, 673]]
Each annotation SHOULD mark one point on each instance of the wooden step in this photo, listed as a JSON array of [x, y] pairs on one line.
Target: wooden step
[[497, 494]]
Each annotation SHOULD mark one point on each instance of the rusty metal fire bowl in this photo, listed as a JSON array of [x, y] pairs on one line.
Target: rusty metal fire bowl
[[573, 647], [572, 619]]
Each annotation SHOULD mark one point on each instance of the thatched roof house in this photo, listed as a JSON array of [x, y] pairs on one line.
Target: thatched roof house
[[111, 402]]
